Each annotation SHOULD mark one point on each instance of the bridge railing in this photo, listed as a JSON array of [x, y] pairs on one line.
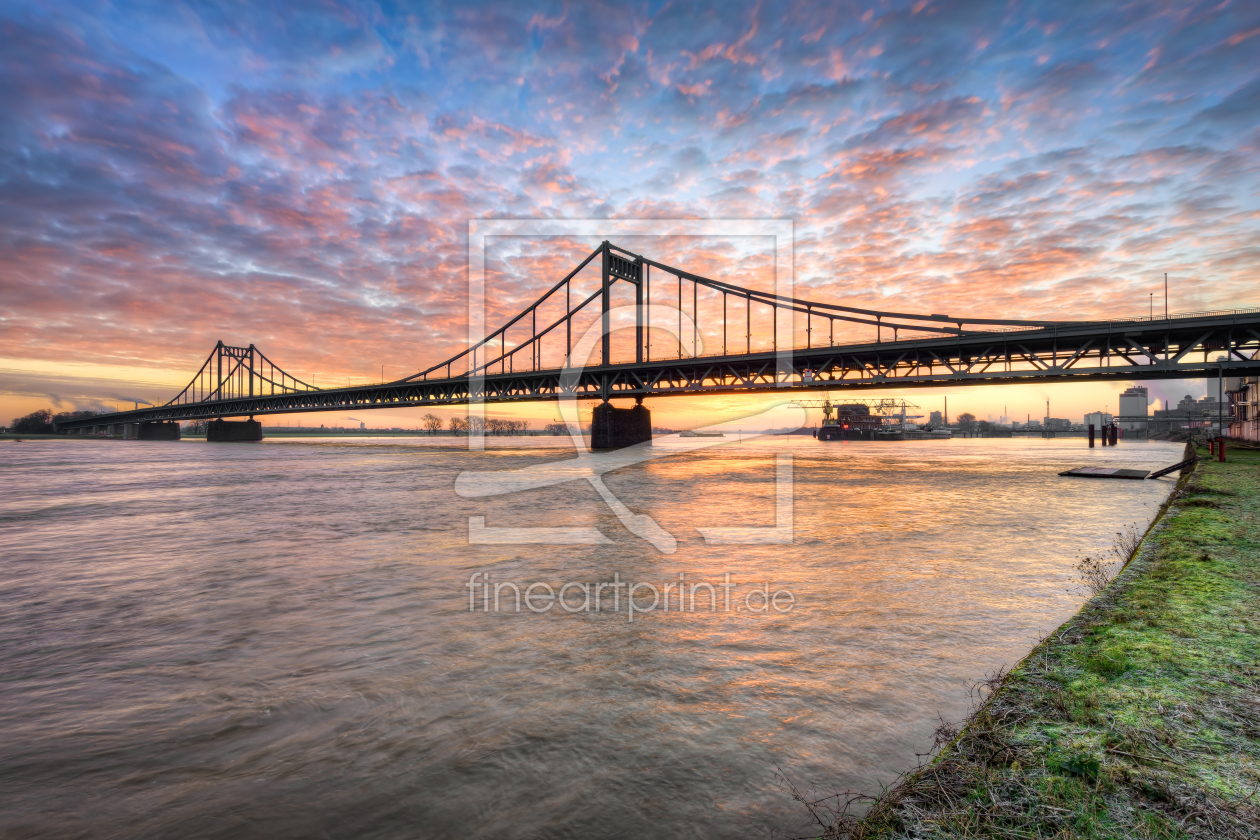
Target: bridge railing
[[1053, 326], [1208, 313]]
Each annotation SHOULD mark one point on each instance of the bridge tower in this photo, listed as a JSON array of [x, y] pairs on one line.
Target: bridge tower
[[611, 427]]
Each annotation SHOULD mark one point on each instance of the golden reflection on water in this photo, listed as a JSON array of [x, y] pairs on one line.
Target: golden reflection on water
[[206, 640]]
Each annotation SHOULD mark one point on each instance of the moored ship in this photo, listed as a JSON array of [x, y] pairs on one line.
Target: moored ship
[[883, 419], [852, 421]]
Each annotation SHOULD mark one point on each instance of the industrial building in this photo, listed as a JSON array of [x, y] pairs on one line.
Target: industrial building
[[1133, 413], [1205, 414], [1098, 419], [1244, 401]]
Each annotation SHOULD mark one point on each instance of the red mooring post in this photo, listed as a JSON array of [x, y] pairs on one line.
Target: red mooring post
[[1220, 450], [1091, 435], [1211, 448]]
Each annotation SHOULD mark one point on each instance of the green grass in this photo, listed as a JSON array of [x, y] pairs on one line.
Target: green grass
[[1139, 718]]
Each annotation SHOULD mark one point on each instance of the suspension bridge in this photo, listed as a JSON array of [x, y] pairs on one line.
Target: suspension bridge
[[532, 356]]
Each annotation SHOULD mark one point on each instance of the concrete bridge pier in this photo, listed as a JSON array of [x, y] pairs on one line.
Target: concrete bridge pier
[[234, 430], [617, 428], [157, 430]]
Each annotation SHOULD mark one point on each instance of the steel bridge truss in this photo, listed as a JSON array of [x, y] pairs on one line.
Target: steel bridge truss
[[236, 381], [492, 355], [234, 373]]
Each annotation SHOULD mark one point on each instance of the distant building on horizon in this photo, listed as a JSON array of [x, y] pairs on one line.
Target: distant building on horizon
[[1133, 405], [1215, 412], [1207, 413], [1099, 419], [935, 419]]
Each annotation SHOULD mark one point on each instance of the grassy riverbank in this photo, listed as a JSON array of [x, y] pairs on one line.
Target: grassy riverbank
[[1138, 718]]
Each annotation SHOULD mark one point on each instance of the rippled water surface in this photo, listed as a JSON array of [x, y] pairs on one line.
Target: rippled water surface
[[226, 640]]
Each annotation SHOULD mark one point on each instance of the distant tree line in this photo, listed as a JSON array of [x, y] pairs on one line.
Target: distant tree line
[[561, 429], [42, 422], [36, 423], [463, 425], [967, 422], [495, 426]]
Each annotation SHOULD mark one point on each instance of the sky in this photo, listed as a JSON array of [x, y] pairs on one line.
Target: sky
[[302, 177]]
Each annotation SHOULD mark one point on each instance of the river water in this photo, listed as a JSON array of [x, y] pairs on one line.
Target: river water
[[230, 640]]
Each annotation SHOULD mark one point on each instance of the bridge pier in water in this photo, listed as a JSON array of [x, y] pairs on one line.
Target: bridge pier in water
[[233, 430], [617, 428], [157, 430]]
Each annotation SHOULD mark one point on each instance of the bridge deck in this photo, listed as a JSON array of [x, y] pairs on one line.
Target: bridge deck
[[1191, 346]]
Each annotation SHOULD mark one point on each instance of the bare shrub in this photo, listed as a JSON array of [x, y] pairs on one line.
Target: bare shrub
[[836, 813], [942, 736], [1126, 543], [1097, 573], [985, 688]]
